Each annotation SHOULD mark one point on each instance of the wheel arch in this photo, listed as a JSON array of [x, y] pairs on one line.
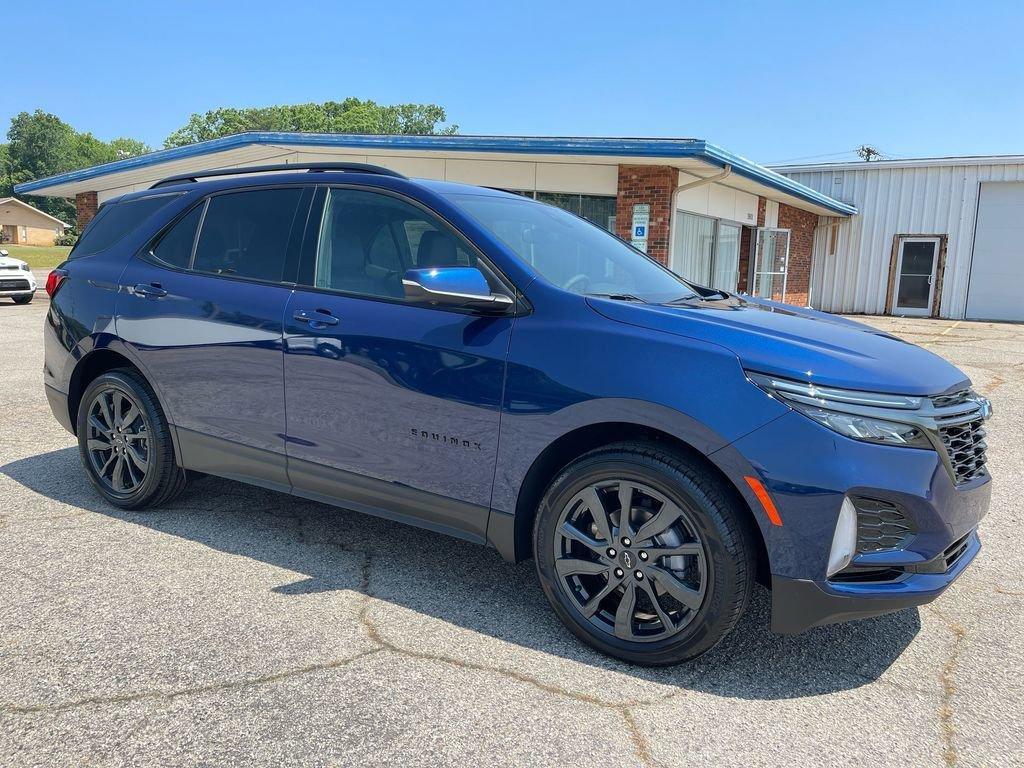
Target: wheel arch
[[577, 442], [93, 364]]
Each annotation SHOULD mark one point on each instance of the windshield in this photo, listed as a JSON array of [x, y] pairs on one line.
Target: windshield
[[571, 252]]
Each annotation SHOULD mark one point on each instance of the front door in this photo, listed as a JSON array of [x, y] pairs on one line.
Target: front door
[[915, 276], [391, 407]]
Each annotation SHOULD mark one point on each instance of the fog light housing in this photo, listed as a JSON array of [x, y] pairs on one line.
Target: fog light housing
[[844, 540]]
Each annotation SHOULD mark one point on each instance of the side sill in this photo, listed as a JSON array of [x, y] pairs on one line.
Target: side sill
[[336, 487], [391, 501], [216, 456]]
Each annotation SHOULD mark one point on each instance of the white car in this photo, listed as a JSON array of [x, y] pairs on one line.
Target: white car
[[16, 279]]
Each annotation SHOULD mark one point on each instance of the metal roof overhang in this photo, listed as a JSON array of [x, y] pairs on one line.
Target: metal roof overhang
[[692, 156]]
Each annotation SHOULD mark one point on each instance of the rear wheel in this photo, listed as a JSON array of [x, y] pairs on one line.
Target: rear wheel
[[642, 554], [125, 442]]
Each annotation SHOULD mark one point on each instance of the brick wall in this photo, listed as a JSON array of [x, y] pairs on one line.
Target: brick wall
[[801, 226], [746, 243], [39, 236], [654, 185], [85, 207]]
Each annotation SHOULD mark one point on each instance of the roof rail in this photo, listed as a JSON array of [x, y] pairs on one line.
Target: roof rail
[[191, 178]]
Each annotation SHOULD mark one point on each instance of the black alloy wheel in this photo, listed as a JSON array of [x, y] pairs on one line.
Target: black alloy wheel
[[117, 441], [631, 560], [125, 442], [645, 552]]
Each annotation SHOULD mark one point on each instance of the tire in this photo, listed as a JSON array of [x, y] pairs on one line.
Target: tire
[[23, 299], [138, 469], [696, 570]]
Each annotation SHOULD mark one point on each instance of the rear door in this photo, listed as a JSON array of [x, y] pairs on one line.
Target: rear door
[[202, 309], [392, 407]]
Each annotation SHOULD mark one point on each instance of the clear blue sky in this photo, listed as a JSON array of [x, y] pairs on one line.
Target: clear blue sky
[[773, 81]]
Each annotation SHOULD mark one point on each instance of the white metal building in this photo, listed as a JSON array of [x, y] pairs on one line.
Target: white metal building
[[940, 237]]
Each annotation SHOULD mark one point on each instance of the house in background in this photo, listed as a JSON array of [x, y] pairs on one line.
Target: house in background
[[21, 224]]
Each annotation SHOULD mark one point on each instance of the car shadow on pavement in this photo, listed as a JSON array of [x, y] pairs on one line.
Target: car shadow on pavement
[[470, 586]]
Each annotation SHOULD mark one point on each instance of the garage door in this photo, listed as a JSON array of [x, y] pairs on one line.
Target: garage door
[[997, 269]]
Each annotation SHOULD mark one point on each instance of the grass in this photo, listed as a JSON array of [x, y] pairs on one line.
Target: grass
[[38, 256]]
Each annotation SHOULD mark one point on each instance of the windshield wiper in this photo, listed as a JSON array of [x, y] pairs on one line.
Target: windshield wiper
[[699, 297], [618, 297]]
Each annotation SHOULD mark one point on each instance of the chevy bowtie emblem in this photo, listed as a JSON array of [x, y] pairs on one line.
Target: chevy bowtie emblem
[[985, 404]]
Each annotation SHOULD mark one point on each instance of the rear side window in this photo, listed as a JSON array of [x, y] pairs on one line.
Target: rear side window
[[245, 234], [175, 247], [114, 221]]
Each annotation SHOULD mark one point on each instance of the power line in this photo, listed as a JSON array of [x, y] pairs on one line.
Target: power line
[[813, 157]]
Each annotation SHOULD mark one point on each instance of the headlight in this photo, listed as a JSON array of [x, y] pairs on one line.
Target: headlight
[[868, 416], [26, 267]]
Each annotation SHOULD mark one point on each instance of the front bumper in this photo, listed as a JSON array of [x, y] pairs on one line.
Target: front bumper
[[17, 283], [799, 604], [808, 470]]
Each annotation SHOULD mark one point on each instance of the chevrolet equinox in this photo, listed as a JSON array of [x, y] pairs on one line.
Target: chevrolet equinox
[[497, 369]]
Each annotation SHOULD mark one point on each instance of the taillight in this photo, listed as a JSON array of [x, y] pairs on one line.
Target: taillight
[[54, 281]]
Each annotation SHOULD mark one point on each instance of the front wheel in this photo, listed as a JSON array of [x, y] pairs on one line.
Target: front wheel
[[642, 554], [23, 299], [125, 442]]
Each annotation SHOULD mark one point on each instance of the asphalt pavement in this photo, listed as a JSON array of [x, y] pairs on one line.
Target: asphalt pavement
[[244, 627]]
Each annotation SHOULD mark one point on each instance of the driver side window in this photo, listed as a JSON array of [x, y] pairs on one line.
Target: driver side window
[[369, 240]]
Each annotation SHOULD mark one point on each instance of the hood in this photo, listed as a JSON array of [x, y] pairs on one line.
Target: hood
[[795, 343], [8, 261]]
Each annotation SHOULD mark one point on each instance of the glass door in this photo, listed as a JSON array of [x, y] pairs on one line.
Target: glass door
[[771, 262], [915, 276]]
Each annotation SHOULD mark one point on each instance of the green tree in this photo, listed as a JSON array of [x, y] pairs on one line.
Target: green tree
[[348, 116], [41, 144]]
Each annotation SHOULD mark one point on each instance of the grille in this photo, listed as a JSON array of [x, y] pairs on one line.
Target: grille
[[965, 446], [954, 398], [881, 525], [13, 285], [11, 266]]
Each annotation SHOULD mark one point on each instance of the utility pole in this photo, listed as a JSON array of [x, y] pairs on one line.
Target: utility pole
[[867, 153]]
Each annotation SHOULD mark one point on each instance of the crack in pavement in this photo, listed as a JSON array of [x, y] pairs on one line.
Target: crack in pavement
[[641, 746], [947, 679], [224, 685], [1009, 592]]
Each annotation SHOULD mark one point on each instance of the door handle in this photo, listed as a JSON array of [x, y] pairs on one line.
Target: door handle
[[149, 290], [317, 319]]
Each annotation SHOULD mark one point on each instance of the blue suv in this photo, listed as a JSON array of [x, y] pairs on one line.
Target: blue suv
[[500, 370]]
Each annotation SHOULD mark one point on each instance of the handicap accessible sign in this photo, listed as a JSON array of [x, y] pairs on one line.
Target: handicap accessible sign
[[641, 224]]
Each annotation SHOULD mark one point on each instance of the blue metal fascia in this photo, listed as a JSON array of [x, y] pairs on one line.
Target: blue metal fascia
[[625, 147]]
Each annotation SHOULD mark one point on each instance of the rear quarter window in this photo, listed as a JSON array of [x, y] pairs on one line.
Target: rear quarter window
[[114, 221]]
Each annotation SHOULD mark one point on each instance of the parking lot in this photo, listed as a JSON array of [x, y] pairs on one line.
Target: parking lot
[[240, 626]]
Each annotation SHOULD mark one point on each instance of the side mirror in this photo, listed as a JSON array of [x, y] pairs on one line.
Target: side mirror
[[3, 252], [464, 287]]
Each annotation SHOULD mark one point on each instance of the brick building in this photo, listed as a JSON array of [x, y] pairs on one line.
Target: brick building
[[715, 218]]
